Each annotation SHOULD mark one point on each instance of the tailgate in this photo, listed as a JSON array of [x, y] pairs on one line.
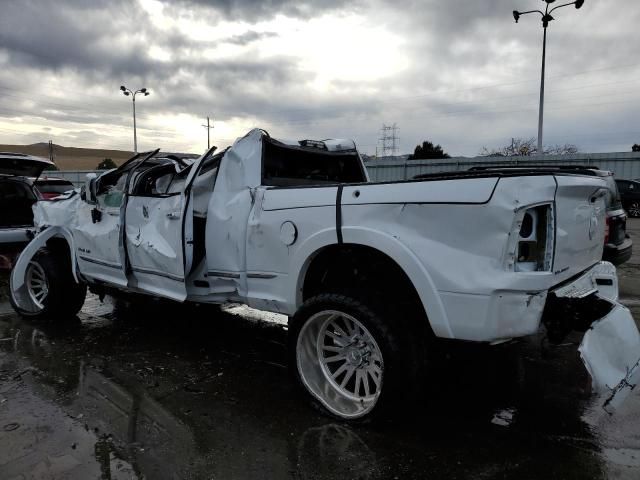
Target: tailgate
[[580, 223]]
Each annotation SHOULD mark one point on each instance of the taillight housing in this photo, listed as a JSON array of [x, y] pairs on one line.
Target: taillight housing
[[532, 240]]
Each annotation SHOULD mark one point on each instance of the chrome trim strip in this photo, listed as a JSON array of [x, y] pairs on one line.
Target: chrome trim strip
[[146, 271], [261, 275], [213, 273], [100, 262]]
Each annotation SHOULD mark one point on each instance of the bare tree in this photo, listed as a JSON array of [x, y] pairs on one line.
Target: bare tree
[[524, 147], [566, 149]]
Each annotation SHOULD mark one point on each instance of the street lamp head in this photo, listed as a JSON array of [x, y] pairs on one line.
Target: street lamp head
[[146, 93], [579, 3], [126, 93], [123, 88], [516, 15], [549, 1], [143, 90]]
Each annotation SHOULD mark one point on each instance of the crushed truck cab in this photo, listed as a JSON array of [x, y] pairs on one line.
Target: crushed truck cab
[[369, 273]]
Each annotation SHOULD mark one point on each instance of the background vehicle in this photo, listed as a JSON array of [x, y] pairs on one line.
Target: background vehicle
[[370, 274], [51, 187], [17, 196], [618, 246], [630, 196]]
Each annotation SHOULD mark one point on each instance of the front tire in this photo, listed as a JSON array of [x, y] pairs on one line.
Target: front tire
[[348, 357], [49, 291]]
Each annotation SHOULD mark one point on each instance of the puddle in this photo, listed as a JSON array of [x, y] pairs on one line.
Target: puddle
[[205, 393]]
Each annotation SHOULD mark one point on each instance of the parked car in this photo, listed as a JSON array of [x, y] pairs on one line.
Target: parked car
[[630, 196], [618, 245], [17, 196], [370, 274], [52, 187]]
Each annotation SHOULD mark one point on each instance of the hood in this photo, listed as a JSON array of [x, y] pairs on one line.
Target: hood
[[23, 165]]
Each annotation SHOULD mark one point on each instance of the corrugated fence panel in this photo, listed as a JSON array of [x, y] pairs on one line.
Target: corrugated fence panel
[[623, 165], [77, 177]]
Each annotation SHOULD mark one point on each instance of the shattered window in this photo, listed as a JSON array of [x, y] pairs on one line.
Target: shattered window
[[113, 197], [161, 180], [111, 189], [286, 165]]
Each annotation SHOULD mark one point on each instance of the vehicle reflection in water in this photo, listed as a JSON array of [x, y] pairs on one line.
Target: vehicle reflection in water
[[150, 434], [208, 396], [335, 451]]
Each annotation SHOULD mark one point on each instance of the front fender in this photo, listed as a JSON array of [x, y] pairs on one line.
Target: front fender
[[39, 241]]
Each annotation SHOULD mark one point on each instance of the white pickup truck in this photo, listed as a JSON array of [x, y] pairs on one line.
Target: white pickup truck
[[370, 274]]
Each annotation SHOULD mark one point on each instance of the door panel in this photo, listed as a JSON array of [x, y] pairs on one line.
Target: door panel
[[97, 238], [154, 239]]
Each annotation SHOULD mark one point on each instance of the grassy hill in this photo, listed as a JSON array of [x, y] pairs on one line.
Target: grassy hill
[[69, 158]]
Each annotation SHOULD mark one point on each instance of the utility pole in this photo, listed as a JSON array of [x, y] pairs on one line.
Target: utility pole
[[127, 92], [51, 155], [209, 127], [541, 107], [546, 18]]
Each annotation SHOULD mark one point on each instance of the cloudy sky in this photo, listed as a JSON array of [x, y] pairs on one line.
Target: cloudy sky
[[457, 72]]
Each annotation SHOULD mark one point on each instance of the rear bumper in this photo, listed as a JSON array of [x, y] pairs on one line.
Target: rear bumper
[[610, 349], [506, 314], [576, 305], [618, 254]]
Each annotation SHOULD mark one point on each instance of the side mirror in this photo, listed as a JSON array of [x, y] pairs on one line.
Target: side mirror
[[90, 195]]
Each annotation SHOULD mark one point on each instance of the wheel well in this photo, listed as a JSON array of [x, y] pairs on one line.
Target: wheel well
[[59, 247], [348, 267]]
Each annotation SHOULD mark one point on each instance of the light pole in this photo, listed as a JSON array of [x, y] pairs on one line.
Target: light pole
[[546, 18], [133, 94]]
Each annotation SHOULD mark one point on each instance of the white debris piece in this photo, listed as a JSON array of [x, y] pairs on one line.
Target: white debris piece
[[610, 351]]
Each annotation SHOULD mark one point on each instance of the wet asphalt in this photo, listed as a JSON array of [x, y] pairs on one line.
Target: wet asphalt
[[166, 392]]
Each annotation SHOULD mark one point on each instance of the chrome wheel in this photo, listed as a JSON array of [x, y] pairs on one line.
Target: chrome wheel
[[634, 209], [37, 284], [340, 363]]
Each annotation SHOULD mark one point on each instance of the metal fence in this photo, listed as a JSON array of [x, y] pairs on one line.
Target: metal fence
[[623, 165], [77, 177]]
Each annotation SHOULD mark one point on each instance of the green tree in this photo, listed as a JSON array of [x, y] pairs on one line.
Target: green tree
[[636, 148], [428, 151], [106, 164]]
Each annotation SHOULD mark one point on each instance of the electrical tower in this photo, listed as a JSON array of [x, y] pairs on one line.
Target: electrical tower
[[389, 139]]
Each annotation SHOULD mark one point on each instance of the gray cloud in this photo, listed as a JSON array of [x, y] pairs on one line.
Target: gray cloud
[[250, 37], [471, 77], [253, 10]]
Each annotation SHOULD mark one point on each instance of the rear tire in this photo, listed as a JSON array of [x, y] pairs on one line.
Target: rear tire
[[352, 359], [50, 289]]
